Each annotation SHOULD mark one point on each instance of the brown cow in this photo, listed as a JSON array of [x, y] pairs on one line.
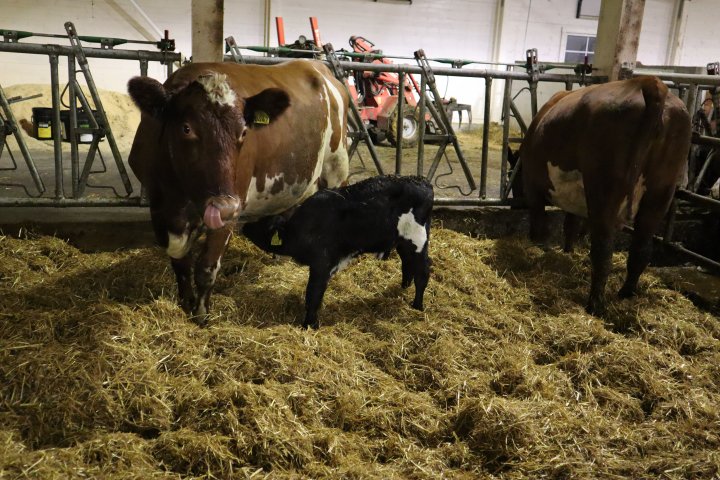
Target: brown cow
[[221, 142], [612, 153]]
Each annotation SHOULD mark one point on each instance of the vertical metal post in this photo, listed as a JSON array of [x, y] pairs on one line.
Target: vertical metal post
[[10, 117], [533, 98], [400, 120], [72, 125], [83, 63], [421, 138], [670, 225], [57, 138], [486, 139], [143, 68], [506, 135]]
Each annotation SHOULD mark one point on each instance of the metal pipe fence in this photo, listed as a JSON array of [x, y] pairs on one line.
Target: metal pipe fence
[[490, 190]]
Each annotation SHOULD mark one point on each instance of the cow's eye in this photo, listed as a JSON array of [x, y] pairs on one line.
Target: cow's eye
[[186, 129]]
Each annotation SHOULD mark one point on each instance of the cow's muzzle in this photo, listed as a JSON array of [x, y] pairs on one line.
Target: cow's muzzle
[[219, 210]]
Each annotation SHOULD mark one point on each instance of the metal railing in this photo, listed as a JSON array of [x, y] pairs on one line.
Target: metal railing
[[484, 192], [99, 127]]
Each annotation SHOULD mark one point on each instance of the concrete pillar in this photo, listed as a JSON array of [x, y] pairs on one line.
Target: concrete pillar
[[207, 30], [618, 36]]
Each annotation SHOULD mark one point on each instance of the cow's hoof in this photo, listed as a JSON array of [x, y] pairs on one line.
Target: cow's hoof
[[314, 325], [418, 306]]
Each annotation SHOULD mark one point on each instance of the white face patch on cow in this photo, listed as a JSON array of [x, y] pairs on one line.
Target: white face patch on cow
[[409, 229], [568, 190], [179, 245], [218, 89]]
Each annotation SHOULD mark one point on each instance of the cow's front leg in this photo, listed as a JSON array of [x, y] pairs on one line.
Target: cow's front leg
[[174, 231], [206, 268], [183, 274]]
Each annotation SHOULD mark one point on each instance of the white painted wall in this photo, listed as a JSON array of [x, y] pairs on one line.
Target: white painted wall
[[443, 28], [699, 24]]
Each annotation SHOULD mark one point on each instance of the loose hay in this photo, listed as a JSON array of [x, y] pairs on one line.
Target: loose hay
[[503, 375]]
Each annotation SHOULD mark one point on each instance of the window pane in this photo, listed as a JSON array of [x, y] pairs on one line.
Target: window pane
[[574, 57], [591, 44], [576, 42]]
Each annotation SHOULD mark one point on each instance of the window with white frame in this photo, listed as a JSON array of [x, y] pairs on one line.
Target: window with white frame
[[577, 46]]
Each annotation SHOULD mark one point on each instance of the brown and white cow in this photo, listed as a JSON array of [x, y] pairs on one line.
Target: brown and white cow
[[612, 153], [220, 143]]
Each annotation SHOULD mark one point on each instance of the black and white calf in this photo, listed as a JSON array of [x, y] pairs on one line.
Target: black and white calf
[[336, 225]]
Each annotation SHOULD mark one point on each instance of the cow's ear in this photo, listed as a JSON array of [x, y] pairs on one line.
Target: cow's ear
[[148, 94], [263, 108]]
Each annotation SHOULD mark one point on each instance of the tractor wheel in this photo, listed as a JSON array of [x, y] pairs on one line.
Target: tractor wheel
[[410, 126]]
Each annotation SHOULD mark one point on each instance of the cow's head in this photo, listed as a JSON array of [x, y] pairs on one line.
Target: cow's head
[[204, 124]]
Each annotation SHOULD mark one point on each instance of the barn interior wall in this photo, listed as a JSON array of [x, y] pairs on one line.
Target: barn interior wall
[[443, 28]]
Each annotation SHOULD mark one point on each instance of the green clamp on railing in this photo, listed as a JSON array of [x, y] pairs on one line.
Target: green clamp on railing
[[14, 35]]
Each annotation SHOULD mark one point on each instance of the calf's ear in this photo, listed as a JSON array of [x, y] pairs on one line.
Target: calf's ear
[[148, 94], [263, 108]]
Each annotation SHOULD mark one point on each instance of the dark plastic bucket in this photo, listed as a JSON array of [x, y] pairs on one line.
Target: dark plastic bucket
[[42, 123], [83, 121]]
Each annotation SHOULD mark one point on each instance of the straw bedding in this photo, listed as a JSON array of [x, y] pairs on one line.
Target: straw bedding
[[502, 376]]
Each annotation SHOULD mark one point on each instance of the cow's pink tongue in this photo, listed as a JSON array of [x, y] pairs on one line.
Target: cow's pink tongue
[[212, 217]]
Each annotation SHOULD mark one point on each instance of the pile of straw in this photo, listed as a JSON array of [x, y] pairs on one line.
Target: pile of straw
[[502, 375]]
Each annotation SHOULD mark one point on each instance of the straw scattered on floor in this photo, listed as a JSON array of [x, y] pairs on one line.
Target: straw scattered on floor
[[503, 375]]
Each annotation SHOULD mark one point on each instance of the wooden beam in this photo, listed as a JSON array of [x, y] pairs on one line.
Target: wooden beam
[[207, 30], [618, 36]]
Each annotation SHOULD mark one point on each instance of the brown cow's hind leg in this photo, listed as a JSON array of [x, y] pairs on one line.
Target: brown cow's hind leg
[[647, 220], [602, 241]]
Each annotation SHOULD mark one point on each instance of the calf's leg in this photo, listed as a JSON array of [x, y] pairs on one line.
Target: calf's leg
[[415, 268], [317, 284]]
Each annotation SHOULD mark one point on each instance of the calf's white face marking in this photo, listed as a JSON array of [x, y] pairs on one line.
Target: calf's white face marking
[[568, 190], [409, 229]]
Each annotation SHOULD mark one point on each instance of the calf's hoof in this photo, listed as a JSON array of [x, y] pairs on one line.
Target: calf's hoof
[[200, 320], [627, 291], [314, 325], [596, 307], [418, 306], [200, 316]]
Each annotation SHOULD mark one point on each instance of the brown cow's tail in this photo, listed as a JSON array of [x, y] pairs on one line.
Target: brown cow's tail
[[655, 93]]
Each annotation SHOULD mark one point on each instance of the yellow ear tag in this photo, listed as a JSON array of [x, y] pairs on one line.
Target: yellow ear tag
[[275, 240], [261, 118]]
